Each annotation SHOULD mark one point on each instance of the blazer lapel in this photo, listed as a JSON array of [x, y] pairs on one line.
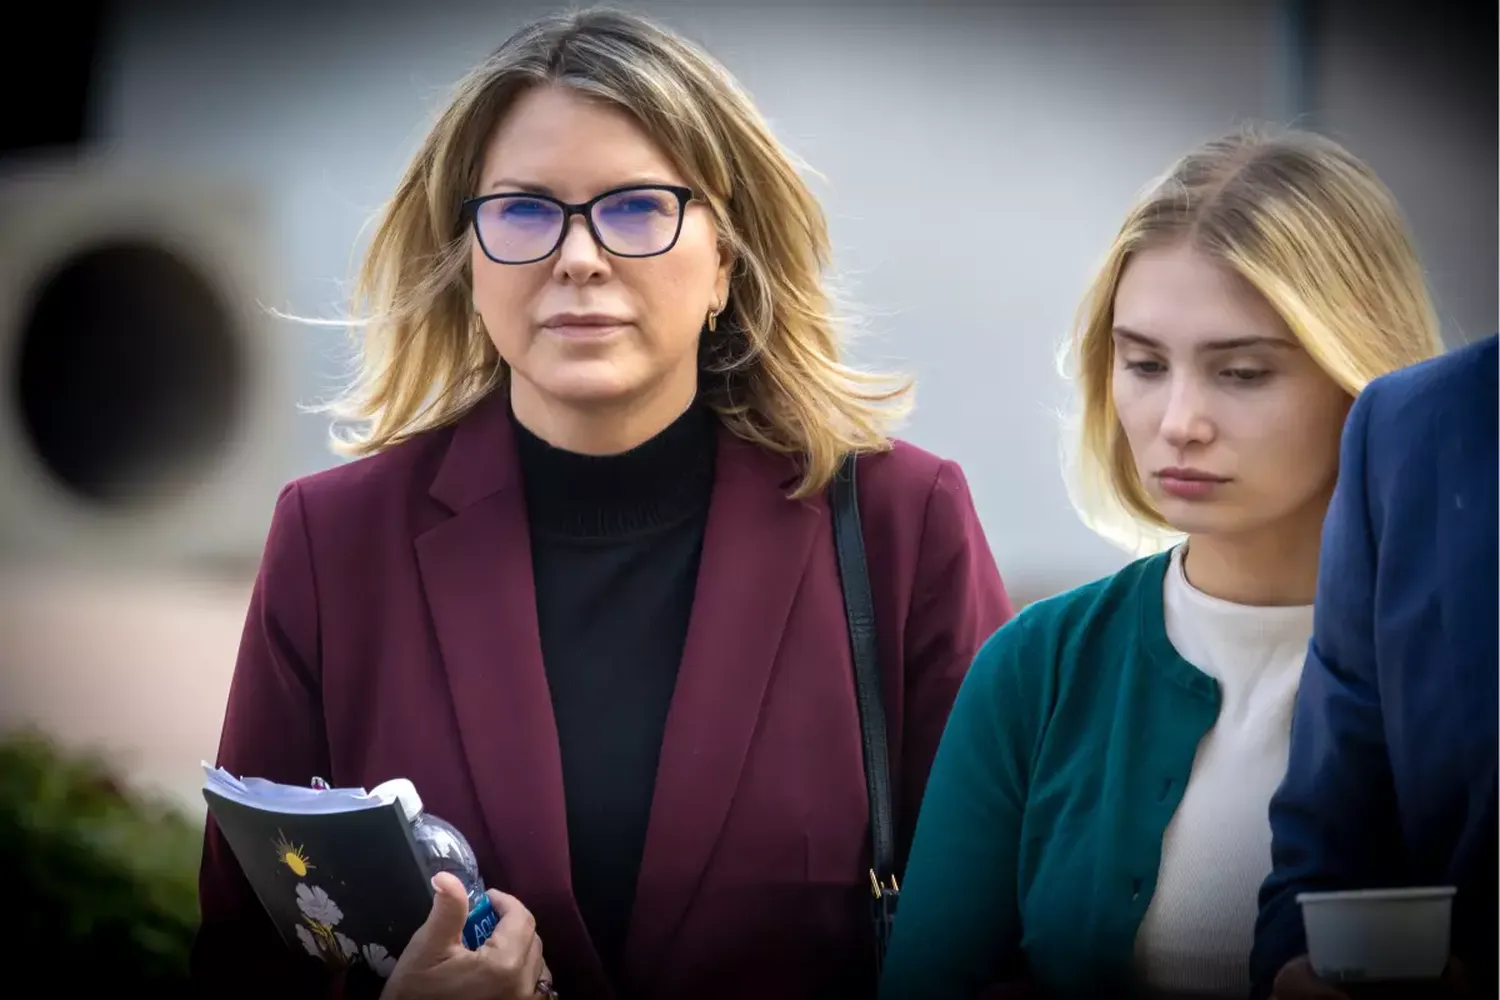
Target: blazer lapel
[[755, 549], [477, 576]]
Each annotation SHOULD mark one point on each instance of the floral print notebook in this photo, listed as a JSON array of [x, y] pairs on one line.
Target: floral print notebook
[[336, 869]]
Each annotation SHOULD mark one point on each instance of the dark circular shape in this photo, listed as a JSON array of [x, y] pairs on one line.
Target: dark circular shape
[[129, 373]]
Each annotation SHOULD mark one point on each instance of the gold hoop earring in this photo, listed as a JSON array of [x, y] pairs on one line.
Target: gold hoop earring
[[713, 319]]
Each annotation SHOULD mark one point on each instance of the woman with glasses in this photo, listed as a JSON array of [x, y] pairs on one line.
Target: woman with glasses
[[581, 586], [1098, 810]]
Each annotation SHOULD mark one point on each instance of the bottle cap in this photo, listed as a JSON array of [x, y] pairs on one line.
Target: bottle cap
[[403, 791]]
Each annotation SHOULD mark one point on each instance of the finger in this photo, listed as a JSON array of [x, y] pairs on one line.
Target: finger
[[504, 903], [522, 956], [1307, 987], [1297, 980], [445, 921], [1456, 976], [531, 966], [1310, 988], [544, 985], [515, 932], [516, 922]]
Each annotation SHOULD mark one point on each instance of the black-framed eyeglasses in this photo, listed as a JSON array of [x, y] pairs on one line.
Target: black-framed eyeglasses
[[642, 220]]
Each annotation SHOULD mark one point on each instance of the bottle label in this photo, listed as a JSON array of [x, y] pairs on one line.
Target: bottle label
[[481, 924]]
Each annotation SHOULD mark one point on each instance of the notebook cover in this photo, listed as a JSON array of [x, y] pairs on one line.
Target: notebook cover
[[344, 887]]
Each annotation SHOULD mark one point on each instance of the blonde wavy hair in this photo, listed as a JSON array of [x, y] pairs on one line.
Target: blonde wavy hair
[[772, 371], [1313, 230]]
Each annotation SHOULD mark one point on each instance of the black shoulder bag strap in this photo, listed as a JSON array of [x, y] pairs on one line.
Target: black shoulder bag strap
[[859, 607]]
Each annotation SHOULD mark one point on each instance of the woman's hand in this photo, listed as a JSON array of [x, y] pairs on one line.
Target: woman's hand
[[1297, 981], [437, 966]]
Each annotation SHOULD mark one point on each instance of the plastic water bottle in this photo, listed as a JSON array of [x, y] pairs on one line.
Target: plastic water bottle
[[441, 847]]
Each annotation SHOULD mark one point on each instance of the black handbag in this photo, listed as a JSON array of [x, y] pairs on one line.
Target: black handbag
[[859, 608]]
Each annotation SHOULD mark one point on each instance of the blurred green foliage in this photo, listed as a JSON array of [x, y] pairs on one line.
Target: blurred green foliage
[[107, 878]]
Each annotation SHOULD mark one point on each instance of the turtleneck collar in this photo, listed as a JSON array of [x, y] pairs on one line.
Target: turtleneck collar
[[658, 483]]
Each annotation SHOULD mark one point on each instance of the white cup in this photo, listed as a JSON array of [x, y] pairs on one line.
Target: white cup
[[1371, 935]]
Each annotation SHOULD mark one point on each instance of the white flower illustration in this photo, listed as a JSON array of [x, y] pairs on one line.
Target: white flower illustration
[[309, 942], [346, 945], [315, 905], [379, 960]]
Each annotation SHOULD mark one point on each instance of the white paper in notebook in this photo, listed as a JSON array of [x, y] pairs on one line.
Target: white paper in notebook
[[258, 793]]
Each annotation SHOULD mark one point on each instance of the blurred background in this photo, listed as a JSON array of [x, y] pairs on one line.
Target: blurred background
[[172, 171]]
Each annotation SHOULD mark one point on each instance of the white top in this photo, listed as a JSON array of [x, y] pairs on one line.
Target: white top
[[1196, 935]]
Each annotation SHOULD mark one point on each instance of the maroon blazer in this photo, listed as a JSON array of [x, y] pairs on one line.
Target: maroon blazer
[[392, 632]]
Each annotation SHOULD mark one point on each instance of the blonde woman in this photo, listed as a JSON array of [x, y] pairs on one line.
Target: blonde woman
[[581, 585], [1096, 820]]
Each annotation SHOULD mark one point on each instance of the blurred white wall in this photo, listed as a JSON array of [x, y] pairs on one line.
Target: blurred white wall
[[137, 668], [977, 159], [977, 162]]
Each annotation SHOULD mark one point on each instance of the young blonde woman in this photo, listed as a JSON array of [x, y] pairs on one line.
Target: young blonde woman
[[1096, 819], [581, 588]]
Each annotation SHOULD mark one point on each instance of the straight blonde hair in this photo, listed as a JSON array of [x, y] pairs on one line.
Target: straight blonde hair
[[1313, 230], [772, 370]]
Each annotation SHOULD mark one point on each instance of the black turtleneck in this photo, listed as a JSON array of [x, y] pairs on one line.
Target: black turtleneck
[[615, 544]]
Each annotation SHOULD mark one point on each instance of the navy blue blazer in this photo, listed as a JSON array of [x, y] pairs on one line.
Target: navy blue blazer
[[1392, 770]]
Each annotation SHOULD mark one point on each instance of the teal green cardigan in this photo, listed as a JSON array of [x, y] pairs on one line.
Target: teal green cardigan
[[1040, 832]]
